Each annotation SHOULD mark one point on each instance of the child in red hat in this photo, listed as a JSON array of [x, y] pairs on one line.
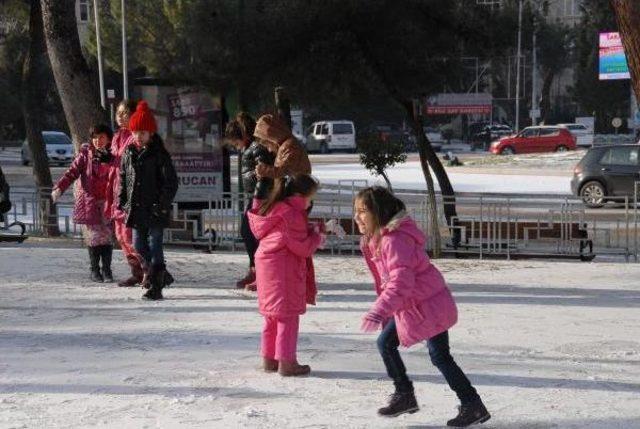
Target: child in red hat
[[148, 185]]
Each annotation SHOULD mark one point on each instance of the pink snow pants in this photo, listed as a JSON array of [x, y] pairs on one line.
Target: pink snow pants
[[280, 338], [124, 235]]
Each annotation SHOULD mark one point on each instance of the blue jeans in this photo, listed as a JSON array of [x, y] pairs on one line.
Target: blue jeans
[[438, 347], [148, 244]]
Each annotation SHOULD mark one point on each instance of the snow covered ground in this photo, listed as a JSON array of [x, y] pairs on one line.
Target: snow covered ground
[[408, 176], [547, 344]]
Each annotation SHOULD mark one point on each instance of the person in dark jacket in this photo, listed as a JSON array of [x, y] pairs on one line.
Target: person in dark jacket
[[5, 202], [148, 185], [239, 134]]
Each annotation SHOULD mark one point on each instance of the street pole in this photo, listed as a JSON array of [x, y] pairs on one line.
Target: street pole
[[518, 66], [99, 47], [534, 76], [125, 81]]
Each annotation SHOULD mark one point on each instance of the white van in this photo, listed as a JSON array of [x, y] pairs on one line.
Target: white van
[[326, 136]]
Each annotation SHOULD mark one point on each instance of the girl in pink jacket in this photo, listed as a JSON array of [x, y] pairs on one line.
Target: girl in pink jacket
[[284, 284], [91, 168], [414, 303], [124, 235]]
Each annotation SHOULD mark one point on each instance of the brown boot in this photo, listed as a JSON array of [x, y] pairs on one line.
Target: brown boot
[[136, 273], [251, 287], [293, 369], [269, 365], [250, 277]]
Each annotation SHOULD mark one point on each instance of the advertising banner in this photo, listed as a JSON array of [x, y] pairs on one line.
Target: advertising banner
[[195, 145], [613, 62], [458, 103]]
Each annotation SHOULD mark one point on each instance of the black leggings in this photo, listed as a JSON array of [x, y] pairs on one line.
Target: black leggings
[[250, 241], [441, 358]]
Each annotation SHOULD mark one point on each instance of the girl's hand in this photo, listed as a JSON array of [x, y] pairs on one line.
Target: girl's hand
[[55, 195], [371, 322], [323, 241], [334, 226], [317, 228]]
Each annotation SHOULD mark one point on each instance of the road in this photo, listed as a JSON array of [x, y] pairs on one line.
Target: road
[[20, 176]]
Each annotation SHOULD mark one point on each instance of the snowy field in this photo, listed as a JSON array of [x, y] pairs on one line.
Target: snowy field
[[534, 174], [408, 176], [547, 344]]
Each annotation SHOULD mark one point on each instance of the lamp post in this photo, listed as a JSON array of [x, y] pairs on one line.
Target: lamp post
[[517, 124], [125, 81], [99, 49]]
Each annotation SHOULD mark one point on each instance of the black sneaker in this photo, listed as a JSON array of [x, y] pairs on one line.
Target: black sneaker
[[470, 414], [400, 403]]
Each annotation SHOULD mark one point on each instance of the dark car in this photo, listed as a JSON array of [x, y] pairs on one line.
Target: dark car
[[606, 173]]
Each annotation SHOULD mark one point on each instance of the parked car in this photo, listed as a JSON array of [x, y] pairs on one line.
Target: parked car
[[584, 135], [326, 136], [59, 148], [490, 133], [535, 139], [606, 172]]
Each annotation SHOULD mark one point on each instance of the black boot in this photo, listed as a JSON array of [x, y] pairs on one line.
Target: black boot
[[156, 282], [94, 259], [107, 254], [470, 414], [400, 403], [168, 278]]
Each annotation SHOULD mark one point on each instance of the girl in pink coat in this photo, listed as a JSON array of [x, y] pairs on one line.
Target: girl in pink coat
[[414, 303], [124, 235], [284, 286], [92, 166]]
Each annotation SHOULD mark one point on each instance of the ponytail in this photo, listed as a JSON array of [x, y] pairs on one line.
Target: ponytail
[[287, 186]]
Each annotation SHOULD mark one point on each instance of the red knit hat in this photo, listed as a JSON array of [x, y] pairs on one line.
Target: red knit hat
[[143, 119]]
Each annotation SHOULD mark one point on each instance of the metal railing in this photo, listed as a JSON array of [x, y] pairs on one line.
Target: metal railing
[[485, 225]]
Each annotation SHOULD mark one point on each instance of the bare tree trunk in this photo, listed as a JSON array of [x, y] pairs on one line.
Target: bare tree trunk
[[73, 77], [628, 18], [423, 148], [545, 103], [283, 106], [386, 179], [34, 91]]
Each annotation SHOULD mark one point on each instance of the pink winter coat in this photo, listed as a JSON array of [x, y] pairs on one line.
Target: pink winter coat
[[92, 187], [121, 139], [409, 287], [285, 286]]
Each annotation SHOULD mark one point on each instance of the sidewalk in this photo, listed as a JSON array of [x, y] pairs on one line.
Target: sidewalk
[[547, 344]]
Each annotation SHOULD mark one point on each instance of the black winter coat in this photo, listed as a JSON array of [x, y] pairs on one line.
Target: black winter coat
[[253, 154], [5, 203], [148, 184]]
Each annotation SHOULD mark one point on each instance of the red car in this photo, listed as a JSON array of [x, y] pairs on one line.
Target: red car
[[535, 139]]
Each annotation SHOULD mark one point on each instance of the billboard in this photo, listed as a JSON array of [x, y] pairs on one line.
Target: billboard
[[613, 62], [194, 143], [458, 103]]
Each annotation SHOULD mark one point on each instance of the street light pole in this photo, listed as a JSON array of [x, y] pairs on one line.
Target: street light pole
[[518, 66], [125, 80], [99, 49], [534, 78]]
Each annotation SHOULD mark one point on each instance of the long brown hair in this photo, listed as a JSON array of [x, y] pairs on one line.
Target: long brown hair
[[287, 186], [382, 204]]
